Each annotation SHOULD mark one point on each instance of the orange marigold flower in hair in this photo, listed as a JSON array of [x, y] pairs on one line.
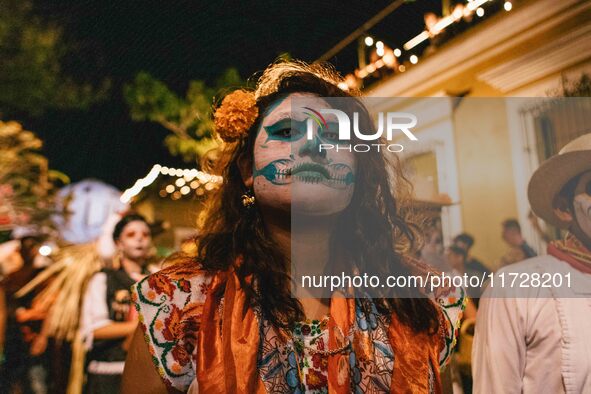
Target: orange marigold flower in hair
[[236, 115]]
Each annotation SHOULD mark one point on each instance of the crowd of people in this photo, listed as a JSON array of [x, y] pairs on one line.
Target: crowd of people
[[222, 317]]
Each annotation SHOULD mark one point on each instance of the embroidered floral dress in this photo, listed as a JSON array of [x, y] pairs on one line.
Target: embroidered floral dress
[[170, 305], [312, 334]]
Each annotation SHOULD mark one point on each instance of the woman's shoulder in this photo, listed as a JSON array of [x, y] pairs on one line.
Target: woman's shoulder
[[170, 304], [180, 278]]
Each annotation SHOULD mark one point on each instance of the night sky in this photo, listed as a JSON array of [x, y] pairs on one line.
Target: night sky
[[177, 41]]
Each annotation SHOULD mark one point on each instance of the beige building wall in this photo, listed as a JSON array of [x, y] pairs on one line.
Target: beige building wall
[[525, 52], [487, 192]]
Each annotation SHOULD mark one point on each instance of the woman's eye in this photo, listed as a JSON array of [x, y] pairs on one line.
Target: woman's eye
[[285, 133]]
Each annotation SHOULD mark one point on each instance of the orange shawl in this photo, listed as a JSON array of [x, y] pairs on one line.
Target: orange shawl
[[229, 340]]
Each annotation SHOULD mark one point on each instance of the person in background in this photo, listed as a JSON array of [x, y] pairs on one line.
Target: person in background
[[16, 337], [432, 251], [456, 258], [519, 249], [534, 337], [108, 318], [466, 241]]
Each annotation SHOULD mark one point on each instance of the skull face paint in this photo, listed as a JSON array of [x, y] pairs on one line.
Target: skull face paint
[[582, 203], [290, 171]]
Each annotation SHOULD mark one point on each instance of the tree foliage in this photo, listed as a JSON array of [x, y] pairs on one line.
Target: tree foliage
[[187, 118], [25, 180], [31, 74]]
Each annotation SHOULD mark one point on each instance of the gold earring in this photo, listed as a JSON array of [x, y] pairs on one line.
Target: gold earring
[[248, 199]]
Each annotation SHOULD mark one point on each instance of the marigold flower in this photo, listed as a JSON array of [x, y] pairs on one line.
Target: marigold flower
[[236, 115]]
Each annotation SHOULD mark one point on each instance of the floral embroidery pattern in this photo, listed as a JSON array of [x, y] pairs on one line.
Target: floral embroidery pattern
[[170, 304], [312, 334], [452, 308]]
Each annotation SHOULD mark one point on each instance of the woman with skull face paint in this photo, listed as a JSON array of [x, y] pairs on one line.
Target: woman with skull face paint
[[108, 317], [226, 320], [537, 338]]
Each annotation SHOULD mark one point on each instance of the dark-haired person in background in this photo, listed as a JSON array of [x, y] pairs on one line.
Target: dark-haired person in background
[[108, 317], [466, 241], [519, 249], [457, 259]]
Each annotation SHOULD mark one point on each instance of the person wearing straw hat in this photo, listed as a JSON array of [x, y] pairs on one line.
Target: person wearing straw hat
[[534, 335]]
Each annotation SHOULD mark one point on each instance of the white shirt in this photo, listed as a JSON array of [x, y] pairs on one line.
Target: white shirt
[[95, 312], [534, 340]]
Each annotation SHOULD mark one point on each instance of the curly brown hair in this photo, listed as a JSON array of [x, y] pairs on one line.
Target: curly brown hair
[[379, 234]]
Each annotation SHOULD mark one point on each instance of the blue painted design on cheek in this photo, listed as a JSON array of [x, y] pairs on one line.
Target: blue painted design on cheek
[[349, 178], [269, 172]]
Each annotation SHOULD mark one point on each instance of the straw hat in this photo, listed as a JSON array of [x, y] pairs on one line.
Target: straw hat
[[554, 173]]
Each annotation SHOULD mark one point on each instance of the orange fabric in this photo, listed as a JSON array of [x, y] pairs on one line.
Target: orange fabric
[[227, 355], [227, 350], [412, 354], [563, 250], [342, 313]]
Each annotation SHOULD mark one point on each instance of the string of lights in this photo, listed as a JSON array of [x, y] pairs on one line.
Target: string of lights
[[390, 58], [187, 179]]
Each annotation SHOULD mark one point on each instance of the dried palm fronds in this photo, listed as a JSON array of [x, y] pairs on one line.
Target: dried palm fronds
[[65, 283]]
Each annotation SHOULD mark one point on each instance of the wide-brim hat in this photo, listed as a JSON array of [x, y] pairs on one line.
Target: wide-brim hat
[[549, 179]]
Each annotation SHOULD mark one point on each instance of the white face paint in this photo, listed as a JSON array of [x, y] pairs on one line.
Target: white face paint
[[290, 173], [582, 203]]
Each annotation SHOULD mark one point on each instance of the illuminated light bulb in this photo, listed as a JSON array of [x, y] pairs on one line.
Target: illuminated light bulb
[[402, 68], [164, 170], [178, 172], [169, 189], [389, 59], [380, 63], [370, 68], [397, 52], [176, 195], [379, 44], [380, 51], [45, 250], [180, 182], [414, 59], [508, 6], [368, 41], [185, 190], [209, 186], [162, 193], [480, 11], [200, 192], [343, 86], [194, 184]]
